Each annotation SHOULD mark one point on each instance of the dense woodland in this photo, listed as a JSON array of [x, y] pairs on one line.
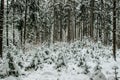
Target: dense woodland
[[39, 21], [59, 39]]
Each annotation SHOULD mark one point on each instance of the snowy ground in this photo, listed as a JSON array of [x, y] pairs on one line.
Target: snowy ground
[[63, 61]]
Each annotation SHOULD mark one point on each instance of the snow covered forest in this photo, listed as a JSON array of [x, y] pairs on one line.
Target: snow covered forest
[[59, 39]]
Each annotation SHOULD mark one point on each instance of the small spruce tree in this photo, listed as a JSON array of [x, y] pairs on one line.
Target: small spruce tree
[[12, 70]]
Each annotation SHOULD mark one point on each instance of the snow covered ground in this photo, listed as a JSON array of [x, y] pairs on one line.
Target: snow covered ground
[[63, 61]]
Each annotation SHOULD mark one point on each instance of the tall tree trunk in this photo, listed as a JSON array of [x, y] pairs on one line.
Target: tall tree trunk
[[53, 24], [21, 31], [92, 18], [1, 26], [7, 40], [83, 29], [61, 27], [114, 29], [13, 23], [68, 36], [101, 21], [25, 24], [81, 36], [52, 33], [75, 36]]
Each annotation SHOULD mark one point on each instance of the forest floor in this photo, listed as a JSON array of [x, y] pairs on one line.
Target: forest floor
[[62, 61]]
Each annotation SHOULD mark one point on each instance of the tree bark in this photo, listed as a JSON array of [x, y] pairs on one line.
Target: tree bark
[[7, 26], [13, 23], [1, 26], [61, 26], [92, 18], [53, 24], [75, 36], [68, 36], [114, 29], [25, 24]]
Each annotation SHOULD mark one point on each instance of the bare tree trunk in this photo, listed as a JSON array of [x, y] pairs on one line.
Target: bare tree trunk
[[75, 36], [21, 31], [61, 28], [7, 40], [68, 36], [84, 29], [25, 24], [52, 33], [81, 31], [114, 29], [13, 23], [61, 25], [101, 21], [1, 26], [92, 18], [53, 24], [37, 34]]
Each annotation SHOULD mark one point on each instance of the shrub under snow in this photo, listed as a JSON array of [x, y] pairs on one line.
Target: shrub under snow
[[60, 61]]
